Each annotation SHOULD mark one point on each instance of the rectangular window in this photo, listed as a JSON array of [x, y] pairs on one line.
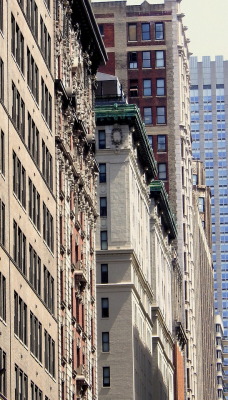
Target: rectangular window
[[49, 353], [17, 44], [147, 115], [146, 59], [1, 15], [133, 60], [49, 290], [132, 32], [106, 376], [105, 342], [150, 140], [3, 372], [35, 337], [33, 140], [104, 240], [19, 248], [21, 384], [103, 206], [102, 174], [2, 153], [32, 16], [145, 31], [2, 297], [105, 307], [160, 87], [161, 142], [20, 318], [147, 89], [161, 115], [36, 393], [18, 111], [159, 31], [46, 104], [47, 165], [162, 171], [19, 180], [2, 223], [101, 29], [1, 80], [45, 43], [160, 59], [34, 270], [102, 139], [201, 204], [48, 227], [134, 87], [194, 179], [34, 204], [104, 273], [32, 76]]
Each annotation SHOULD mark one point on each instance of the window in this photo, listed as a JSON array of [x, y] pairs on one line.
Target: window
[[104, 273], [161, 142], [2, 153], [45, 43], [161, 115], [101, 29], [106, 376], [49, 290], [194, 179], [20, 318], [2, 223], [150, 140], [159, 31], [33, 140], [34, 204], [1, 80], [32, 75], [102, 174], [133, 60], [19, 180], [46, 104], [147, 115], [21, 384], [18, 111], [134, 87], [201, 204], [2, 297], [147, 87], [19, 248], [105, 308], [17, 44], [35, 337], [160, 87], [132, 32], [146, 59], [160, 59], [103, 206], [104, 240], [162, 173], [2, 372], [47, 165], [145, 31], [105, 342], [36, 393], [49, 353], [48, 228], [1, 15], [34, 270], [101, 139], [32, 16]]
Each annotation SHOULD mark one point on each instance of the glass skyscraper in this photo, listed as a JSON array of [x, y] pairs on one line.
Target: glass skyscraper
[[209, 128]]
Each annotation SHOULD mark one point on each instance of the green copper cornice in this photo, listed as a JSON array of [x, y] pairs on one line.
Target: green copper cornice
[[130, 114], [158, 192]]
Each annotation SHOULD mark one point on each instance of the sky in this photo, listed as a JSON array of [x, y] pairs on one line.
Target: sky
[[207, 22]]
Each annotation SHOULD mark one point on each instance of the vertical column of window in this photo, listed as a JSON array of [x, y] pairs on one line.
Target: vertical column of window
[[2, 297], [2, 153], [19, 248], [18, 111], [20, 318], [1, 79]]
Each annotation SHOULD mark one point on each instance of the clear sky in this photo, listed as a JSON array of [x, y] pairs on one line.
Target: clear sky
[[207, 22]]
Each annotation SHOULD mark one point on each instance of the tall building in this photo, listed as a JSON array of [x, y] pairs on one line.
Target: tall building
[[47, 289], [209, 113], [148, 51]]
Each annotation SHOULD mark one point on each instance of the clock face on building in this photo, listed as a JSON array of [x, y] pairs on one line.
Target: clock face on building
[[117, 136]]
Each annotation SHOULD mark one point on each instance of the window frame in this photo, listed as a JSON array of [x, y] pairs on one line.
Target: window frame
[[104, 309], [102, 175], [158, 31], [159, 88], [104, 274], [159, 62], [104, 240], [133, 60], [145, 32], [161, 116], [147, 88], [105, 342], [162, 146], [145, 60], [164, 177], [101, 139], [133, 34], [148, 116]]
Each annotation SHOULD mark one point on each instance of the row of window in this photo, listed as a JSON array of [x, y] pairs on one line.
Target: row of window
[[146, 31], [144, 59], [21, 328], [147, 87], [21, 387]]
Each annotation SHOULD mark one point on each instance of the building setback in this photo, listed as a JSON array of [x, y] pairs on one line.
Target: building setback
[[148, 51]]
